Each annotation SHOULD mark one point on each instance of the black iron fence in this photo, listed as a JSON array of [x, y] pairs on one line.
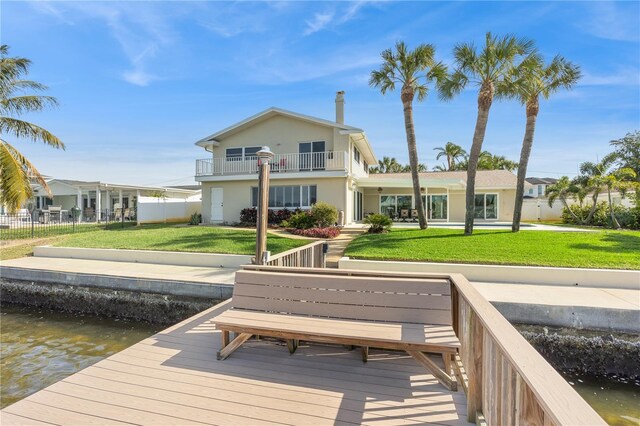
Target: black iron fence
[[48, 223]]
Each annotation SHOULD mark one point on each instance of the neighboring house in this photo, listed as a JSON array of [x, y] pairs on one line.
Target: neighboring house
[[538, 187], [101, 198], [321, 160]]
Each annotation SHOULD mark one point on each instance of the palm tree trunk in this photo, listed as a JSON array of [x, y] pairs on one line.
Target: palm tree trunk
[[566, 205], [594, 198], [407, 102], [525, 152], [614, 221], [474, 156]]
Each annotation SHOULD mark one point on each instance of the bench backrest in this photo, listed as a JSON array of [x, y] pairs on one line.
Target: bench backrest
[[383, 299]]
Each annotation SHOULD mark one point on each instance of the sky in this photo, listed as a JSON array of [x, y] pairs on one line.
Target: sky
[[139, 82]]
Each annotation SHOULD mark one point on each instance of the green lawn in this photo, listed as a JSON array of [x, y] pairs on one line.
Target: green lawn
[[599, 249], [203, 239]]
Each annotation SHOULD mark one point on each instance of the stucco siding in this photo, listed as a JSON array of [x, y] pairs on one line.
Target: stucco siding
[[282, 135], [237, 195]]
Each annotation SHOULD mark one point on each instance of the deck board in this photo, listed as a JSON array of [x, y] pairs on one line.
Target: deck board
[[174, 378]]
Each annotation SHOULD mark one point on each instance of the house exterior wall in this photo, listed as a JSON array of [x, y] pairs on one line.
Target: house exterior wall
[[282, 135], [237, 195]]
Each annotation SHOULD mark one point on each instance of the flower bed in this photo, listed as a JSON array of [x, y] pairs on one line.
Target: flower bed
[[328, 232]]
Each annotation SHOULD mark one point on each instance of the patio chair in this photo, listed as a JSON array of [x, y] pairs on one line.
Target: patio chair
[[404, 214], [118, 214], [414, 215], [127, 214]]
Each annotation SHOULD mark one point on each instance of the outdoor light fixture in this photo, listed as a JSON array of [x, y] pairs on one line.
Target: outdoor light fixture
[[423, 190], [379, 190], [265, 155]]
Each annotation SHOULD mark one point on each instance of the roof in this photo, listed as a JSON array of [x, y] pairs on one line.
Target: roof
[[541, 181], [215, 138], [484, 178], [189, 187], [105, 185]]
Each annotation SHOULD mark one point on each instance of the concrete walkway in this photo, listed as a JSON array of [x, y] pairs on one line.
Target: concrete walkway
[[338, 245]]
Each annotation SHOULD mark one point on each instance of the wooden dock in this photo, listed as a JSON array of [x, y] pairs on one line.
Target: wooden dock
[[173, 378]]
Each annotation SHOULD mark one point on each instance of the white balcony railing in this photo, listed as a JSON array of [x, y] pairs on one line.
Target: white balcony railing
[[282, 163]]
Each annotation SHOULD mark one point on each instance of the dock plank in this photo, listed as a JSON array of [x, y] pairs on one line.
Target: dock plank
[[174, 378]]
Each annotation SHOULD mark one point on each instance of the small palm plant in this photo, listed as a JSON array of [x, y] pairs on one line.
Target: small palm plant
[[562, 190], [16, 172], [530, 81], [413, 70], [452, 152], [486, 69]]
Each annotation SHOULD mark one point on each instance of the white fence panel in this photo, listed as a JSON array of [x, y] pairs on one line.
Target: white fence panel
[[538, 209], [154, 210]]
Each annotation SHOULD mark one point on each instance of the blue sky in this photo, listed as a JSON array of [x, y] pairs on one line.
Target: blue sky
[[140, 82]]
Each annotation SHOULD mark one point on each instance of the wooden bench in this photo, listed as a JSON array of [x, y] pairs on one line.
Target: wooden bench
[[408, 314]]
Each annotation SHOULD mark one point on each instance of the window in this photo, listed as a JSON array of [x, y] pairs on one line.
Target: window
[[540, 190], [290, 197], [311, 155], [239, 154], [435, 206], [486, 206], [365, 166], [356, 155]]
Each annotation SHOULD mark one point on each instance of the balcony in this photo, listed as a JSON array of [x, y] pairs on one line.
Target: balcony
[[282, 163]]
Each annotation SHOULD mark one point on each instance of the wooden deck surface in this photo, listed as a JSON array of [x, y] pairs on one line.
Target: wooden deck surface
[[173, 378]]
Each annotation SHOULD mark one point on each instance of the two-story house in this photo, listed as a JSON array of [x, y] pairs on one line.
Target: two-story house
[[322, 160]]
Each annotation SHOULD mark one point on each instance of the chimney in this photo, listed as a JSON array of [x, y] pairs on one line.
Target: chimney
[[340, 107]]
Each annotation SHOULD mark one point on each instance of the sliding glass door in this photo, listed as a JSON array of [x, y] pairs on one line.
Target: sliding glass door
[[486, 206], [436, 206]]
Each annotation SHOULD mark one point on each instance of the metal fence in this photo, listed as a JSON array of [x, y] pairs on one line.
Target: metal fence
[[45, 223]]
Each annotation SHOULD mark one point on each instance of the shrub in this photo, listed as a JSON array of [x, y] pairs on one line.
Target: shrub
[[328, 232], [300, 220], [196, 219], [628, 217], [378, 223], [324, 214], [249, 216]]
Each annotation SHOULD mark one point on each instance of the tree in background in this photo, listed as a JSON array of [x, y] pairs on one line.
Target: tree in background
[[452, 152], [16, 172], [528, 82], [627, 152], [391, 165], [563, 189], [486, 69], [413, 70]]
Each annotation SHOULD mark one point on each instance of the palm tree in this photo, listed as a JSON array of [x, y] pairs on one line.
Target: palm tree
[[620, 179], [452, 152], [413, 70], [590, 181], [16, 171], [561, 190], [488, 161], [487, 70], [531, 80], [421, 168], [388, 165]]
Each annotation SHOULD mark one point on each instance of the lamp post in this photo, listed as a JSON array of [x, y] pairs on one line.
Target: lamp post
[[264, 156]]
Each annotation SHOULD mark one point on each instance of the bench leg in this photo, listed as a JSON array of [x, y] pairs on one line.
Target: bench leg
[[292, 345], [365, 353], [225, 338], [443, 377], [231, 347]]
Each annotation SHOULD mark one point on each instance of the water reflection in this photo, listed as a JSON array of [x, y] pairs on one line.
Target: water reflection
[[41, 347]]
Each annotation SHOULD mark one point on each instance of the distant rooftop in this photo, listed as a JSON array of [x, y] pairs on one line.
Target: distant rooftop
[[541, 181]]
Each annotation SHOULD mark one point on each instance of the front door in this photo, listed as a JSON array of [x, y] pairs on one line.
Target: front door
[[216, 204]]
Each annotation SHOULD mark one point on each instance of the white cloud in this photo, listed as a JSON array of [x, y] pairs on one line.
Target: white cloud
[[612, 21], [141, 31], [621, 77], [319, 22]]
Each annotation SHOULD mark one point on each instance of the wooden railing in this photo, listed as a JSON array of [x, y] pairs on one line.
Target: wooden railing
[[308, 256], [506, 380], [281, 163]]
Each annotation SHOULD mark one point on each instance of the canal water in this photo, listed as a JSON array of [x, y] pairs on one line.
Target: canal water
[[41, 347]]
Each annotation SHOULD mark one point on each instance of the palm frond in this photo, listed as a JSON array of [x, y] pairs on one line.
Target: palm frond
[[15, 179], [19, 105], [452, 85], [24, 129]]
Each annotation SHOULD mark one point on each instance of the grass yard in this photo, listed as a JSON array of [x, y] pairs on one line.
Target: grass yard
[[600, 249], [204, 239]]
